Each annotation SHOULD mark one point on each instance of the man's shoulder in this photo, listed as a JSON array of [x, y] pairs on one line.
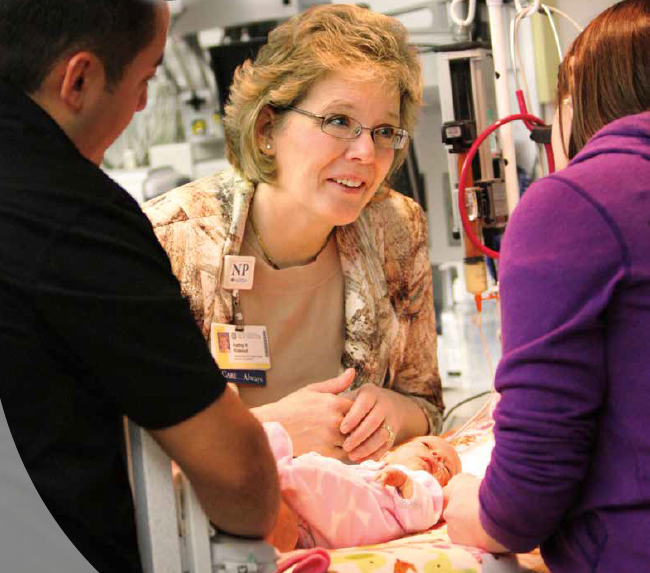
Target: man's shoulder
[[41, 203]]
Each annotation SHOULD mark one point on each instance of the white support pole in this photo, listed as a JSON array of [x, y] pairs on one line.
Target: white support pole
[[499, 53], [155, 504], [196, 531]]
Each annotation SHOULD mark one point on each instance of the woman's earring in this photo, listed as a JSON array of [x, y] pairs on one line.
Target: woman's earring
[[268, 146]]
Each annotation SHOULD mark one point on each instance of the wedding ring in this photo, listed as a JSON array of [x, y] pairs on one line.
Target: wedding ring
[[391, 434]]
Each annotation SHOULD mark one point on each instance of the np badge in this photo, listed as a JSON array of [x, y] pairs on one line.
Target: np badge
[[238, 272]]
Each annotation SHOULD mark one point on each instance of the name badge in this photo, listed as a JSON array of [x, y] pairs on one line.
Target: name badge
[[246, 349], [238, 272]]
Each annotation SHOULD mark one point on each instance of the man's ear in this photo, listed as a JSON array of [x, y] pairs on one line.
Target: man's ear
[[83, 75]]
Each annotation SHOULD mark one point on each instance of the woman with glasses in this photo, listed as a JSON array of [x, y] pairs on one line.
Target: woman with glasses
[[334, 337]]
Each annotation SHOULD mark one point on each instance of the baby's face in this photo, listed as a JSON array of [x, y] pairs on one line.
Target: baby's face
[[429, 453]]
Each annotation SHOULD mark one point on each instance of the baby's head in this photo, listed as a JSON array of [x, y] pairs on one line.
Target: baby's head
[[429, 453]]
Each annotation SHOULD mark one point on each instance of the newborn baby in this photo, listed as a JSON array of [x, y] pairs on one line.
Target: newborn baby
[[340, 505]]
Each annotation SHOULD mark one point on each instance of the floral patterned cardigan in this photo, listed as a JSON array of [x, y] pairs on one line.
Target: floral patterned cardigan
[[390, 332]]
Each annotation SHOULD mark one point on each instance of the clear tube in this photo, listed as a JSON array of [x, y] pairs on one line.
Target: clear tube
[[471, 12]]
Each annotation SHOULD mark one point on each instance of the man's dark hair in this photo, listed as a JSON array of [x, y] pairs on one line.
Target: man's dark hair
[[34, 34]]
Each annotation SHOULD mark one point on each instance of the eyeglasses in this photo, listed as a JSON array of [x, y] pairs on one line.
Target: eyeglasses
[[344, 127]]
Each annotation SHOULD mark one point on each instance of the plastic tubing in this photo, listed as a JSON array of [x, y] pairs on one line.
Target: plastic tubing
[[529, 8], [470, 13], [462, 207], [551, 21], [565, 15], [530, 125], [523, 109]]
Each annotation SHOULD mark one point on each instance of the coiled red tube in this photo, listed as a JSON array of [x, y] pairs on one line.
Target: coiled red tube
[[462, 207]]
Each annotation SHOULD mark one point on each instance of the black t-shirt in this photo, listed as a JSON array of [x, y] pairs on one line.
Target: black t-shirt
[[93, 328]]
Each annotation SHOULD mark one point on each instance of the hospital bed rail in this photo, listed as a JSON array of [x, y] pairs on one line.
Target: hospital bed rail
[[174, 534]]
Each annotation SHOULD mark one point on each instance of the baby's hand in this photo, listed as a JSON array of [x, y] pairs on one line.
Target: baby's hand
[[398, 479]]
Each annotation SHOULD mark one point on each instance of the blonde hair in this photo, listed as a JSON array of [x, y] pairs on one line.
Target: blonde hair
[[327, 38]]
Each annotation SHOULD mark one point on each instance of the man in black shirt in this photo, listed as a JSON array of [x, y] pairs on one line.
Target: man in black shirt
[[92, 323]]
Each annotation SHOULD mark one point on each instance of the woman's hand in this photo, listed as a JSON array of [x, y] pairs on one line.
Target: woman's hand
[[371, 424], [461, 512], [312, 416], [378, 419]]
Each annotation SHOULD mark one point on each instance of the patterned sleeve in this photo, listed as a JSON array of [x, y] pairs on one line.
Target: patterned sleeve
[[177, 237], [411, 290]]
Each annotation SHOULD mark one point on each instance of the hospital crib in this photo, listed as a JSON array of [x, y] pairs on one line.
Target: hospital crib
[[174, 533]]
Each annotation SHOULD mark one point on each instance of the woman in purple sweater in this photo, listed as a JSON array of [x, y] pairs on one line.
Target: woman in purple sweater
[[570, 470]]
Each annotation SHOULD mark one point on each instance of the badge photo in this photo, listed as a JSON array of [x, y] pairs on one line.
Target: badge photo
[[243, 348]]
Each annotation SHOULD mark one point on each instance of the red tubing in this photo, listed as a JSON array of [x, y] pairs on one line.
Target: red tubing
[[523, 109], [462, 208], [530, 125]]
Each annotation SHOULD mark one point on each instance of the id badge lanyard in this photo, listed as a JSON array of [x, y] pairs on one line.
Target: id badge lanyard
[[241, 351], [238, 314]]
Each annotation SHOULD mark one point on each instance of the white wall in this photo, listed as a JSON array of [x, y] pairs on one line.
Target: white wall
[[582, 12]]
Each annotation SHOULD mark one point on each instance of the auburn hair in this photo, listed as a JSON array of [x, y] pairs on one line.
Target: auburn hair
[[606, 72]]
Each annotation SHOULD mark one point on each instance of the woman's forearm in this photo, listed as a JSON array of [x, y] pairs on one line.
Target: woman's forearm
[[412, 420]]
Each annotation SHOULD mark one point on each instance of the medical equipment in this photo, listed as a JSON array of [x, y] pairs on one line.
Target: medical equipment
[[521, 85], [174, 534], [169, 544], [467, 104], [470, 13], [485, 203], [464, 199]]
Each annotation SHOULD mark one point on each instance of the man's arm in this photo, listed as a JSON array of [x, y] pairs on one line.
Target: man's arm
[[226, 456]]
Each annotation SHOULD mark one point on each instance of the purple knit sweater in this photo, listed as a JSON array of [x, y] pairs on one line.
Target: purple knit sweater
[[571, 465]]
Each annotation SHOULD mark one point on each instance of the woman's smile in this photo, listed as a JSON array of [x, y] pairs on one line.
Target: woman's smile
[[329, 179]]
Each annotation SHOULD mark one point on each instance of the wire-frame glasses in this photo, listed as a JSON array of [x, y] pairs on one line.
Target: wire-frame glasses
[[342, 126]]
